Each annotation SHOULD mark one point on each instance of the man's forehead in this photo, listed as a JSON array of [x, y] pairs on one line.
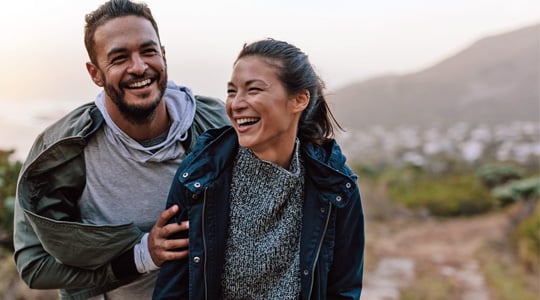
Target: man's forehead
[[125, 29]]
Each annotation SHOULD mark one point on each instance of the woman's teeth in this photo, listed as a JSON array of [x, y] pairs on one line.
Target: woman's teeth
[[246, 121]]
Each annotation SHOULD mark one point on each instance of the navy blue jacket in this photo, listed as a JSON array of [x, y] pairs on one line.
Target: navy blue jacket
[[332, 236]]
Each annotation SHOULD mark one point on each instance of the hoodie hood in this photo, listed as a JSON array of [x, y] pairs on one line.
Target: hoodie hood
[[180, 104]]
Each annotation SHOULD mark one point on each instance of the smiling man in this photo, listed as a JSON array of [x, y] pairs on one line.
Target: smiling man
[[89, 215]]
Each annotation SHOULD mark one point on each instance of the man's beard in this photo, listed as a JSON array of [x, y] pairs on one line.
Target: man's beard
[[136, 114]]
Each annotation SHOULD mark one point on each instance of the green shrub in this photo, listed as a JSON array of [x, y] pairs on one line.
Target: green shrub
[[367, 171], [495, 174], [9, 172], [506, 279], [454, 195], [517, 190]]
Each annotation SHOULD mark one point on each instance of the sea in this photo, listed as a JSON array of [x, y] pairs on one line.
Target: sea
[[21, 122]]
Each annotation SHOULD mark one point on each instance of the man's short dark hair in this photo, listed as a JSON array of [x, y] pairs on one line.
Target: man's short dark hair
[[108, 11]]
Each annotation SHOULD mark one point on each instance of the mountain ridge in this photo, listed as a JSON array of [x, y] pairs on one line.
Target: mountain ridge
[[494, 80]]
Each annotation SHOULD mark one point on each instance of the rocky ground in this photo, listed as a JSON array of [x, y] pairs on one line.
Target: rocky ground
[[447, 248], [400, 250]]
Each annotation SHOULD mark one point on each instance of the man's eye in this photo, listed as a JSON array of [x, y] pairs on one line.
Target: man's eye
[[150, 51], [118, 59]]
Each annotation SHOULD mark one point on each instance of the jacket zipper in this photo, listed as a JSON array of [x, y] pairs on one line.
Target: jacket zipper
[[204, 246], [319, 250]]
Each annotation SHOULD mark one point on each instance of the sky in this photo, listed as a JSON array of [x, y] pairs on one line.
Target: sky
[[43, 56]]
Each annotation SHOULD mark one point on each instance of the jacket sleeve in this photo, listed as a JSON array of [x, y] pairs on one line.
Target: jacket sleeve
[[40, 267], [40, 270], [346, 272], [173, 281]]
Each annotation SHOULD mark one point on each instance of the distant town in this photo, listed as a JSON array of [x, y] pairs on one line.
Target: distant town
[[517, 142]]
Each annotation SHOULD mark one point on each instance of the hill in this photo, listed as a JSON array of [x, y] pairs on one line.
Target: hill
[[495, 80]]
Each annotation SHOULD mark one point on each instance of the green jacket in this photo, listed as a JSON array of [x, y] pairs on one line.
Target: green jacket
[[53, 249]]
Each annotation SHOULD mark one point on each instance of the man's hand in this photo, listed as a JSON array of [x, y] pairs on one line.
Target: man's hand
[[161, 249]]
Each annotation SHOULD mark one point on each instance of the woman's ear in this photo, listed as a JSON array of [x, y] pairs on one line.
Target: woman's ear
[[94, 74], [301, 101]]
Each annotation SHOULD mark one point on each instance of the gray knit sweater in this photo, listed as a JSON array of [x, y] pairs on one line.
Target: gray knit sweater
[[262, 257]]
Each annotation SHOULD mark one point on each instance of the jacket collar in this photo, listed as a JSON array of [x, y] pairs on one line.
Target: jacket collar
[[211, 156], [217, 148], [325, 166]]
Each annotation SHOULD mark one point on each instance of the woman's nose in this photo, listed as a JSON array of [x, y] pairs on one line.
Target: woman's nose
[[238, 102]]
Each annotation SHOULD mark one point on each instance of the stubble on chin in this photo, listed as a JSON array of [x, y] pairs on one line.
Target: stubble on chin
[[135, 114]]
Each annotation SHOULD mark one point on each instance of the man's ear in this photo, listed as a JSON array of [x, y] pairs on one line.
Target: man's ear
[[301, 101], [163, 54], [94, 74]]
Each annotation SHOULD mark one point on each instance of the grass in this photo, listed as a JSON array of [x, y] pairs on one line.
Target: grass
[[505, 276], [448, 195], [526, 240]]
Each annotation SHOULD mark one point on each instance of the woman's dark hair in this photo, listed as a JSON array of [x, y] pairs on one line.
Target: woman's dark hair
[[111, 10], [297, 74]]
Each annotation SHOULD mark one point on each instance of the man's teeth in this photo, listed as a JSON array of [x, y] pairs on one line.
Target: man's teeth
[[243, 121], [140, 83]]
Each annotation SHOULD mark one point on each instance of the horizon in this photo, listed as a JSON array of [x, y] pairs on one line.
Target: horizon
[[347, 42]]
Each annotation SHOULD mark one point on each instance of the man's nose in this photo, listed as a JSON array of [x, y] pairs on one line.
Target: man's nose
[[138, 65]]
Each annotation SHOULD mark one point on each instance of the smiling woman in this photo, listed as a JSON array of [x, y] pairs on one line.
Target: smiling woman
[[275, 213], [264, 115]]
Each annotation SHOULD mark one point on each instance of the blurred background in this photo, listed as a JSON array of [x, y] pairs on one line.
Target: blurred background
[[440, 101]]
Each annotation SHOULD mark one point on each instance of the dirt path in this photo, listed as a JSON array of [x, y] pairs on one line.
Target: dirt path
[[449, 247]]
